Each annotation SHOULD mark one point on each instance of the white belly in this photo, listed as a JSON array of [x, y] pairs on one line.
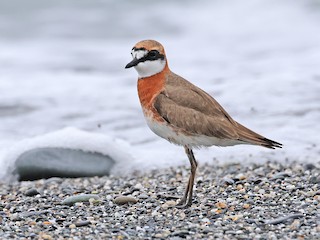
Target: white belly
[[175, 136]]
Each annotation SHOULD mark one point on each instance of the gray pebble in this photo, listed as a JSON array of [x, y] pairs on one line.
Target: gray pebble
[[31, 192], [32, 235], [143, 196], [82, 223], [181, 233], [280, 175], [283, 219], [227, 181], [124, 200], [314, 179], [309, 166], [79, 198]]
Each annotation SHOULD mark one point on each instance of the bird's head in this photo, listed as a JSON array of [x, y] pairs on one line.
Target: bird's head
[[149, 58]]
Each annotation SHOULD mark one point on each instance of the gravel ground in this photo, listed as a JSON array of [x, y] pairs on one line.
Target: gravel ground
[[232, 201]]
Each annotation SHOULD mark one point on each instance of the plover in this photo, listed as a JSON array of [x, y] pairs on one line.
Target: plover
[[182, 113]]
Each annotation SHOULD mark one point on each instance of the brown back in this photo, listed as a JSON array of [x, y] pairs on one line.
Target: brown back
[[195, 112]]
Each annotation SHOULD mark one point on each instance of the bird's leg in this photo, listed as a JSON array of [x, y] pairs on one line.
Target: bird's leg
[[194, 166], [183, 200], [186, 200]]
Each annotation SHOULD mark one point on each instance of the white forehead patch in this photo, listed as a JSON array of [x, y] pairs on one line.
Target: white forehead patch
[[138, 54]]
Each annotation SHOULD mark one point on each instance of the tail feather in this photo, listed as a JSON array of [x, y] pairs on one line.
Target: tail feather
[[252, 137], [270, 143]]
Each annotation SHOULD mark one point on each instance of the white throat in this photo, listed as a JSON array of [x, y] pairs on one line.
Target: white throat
[[148, 68]]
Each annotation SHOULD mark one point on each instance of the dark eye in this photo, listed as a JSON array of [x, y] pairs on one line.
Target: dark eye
[[153, 54]]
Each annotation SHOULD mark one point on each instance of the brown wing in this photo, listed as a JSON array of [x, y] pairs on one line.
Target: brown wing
[[187, 107]]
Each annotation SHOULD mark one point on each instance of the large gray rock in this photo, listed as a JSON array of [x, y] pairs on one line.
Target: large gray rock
[[59, 162]]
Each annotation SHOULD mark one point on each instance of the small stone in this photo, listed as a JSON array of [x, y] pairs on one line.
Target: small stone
[[246, 206], [314, 180], [218, 211], [221, 205], [80, 204], [230, 200], [32, 235], [171, 203], [284, 219], [138, 186], [217, 223], [143, 196], [227, 181], [181, 233], [79, 198], [290, 187], [295, 224], [32, 223], [168, 204], [239, 187], [72, 225], [240, 176], [121, 200], [15, 217], [206, 220], [280, 175], [82, 223], [94, 201], [242, 190], [45, 236], [309, 166], [182, 215], [257, 181], [158, 235], [233, 217], [31, 192]]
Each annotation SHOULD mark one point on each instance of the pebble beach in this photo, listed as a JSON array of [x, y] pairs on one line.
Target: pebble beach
[[232, 201]]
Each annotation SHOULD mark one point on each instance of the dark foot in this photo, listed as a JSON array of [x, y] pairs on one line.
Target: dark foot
[[184, 204], [183, 200]]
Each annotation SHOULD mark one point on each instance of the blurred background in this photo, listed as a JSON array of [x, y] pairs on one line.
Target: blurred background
[[62, 64]]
